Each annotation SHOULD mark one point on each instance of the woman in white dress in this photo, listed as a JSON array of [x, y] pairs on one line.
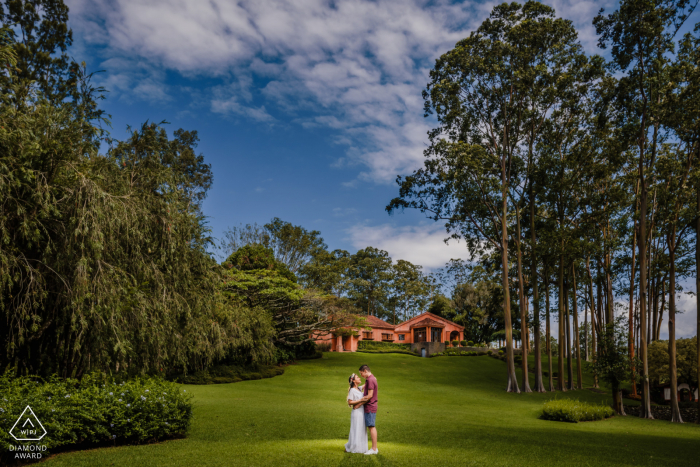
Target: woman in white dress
[[357, 441]]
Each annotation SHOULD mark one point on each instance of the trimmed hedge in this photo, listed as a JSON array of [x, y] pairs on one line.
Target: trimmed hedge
[[568, 410], [407, 352], [222, 374], [379, 345], [93, 411]]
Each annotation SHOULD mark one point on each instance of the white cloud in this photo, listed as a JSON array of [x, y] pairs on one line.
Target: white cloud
[[358, 65], [423, 245]]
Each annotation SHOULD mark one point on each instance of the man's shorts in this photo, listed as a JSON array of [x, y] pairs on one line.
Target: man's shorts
[[370, 418]]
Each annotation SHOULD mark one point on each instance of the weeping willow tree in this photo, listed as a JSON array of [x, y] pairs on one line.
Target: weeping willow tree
[[103, 261]]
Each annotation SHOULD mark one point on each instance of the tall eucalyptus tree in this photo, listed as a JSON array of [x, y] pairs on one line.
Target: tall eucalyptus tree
[[641, 34]]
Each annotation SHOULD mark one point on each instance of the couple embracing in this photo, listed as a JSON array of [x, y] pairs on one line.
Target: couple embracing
[[361, 421]]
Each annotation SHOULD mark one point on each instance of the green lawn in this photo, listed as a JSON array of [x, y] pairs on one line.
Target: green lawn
[[440, 411]]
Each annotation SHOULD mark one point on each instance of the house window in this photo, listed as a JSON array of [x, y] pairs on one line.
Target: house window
[[367, 335], [402, 337], [387, 337]]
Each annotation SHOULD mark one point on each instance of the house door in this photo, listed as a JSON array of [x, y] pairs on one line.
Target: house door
[[684, 395], [435, 335], [419, 335]]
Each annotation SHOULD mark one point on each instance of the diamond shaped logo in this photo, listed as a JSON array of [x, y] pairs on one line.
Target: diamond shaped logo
[[28, 427]]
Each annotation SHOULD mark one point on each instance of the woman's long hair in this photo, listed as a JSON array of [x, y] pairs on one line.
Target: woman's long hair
[[351, 381]]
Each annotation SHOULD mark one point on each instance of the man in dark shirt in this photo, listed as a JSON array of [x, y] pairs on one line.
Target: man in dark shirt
[[370, 396]]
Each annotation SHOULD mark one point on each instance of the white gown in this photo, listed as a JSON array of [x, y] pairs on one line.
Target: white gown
[[357, 441]]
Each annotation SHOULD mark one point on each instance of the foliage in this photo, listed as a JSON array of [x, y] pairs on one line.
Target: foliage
[[383, 351], [613, 363], [291, 245], [96, 409], [376, 345], [569, 410], [686, 361], [256, 257], [220, 374]]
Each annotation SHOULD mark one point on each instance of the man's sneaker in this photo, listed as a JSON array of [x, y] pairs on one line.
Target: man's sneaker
[[372, 451]]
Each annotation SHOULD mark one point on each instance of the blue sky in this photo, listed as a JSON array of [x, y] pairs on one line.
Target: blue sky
[[307, 109]]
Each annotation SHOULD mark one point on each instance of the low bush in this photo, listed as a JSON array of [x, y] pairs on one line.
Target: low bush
[[490, 352], [323, 347], [93, 410], [470, 343], [221, 374], [454, 343], [463, 343], [375, 345], [568, 410], [401, 351], [318, 354]]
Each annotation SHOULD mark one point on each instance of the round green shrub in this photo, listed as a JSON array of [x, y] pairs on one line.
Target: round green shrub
[[454, 343], [490, 352], [95, 409], [463, 343], [569, 410]]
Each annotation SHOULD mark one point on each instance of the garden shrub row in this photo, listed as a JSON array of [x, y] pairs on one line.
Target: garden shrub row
[[221, 374], [569, 410], [93, 411], [463, 353], [407, 352], [378, 345]]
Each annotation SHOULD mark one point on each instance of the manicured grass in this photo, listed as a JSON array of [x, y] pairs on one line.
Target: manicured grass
[[443, 411]]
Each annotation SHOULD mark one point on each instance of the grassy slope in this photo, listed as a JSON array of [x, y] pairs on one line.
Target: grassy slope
[[441, 411]]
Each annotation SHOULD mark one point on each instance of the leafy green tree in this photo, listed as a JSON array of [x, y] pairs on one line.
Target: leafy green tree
[[327, 272], [686, 362], [641, 35], [40, 28], [291, 244], [370, 275], [686, 105], [613, 364], [443, 307], [254, 279], [409, 291]]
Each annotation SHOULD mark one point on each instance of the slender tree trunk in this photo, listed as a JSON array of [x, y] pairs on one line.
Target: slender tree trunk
[[594, 343], [512, 385], [569, 360], [655, 301], [577, 343], [539, 386], [645, 411], [661, 308], [548, 329], [585, 329], [562, 325], [631, 307], [675, 411], [523, 308], [697, 290]]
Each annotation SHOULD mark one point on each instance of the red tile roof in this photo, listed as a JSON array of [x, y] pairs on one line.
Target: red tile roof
[[427, 322], [377, 323], [428, 315]]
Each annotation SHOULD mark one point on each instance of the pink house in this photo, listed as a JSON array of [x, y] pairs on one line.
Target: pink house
[[425, 327]]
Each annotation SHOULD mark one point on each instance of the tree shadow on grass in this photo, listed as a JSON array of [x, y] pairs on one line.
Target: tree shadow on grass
[[352, 460], [558, 443]]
